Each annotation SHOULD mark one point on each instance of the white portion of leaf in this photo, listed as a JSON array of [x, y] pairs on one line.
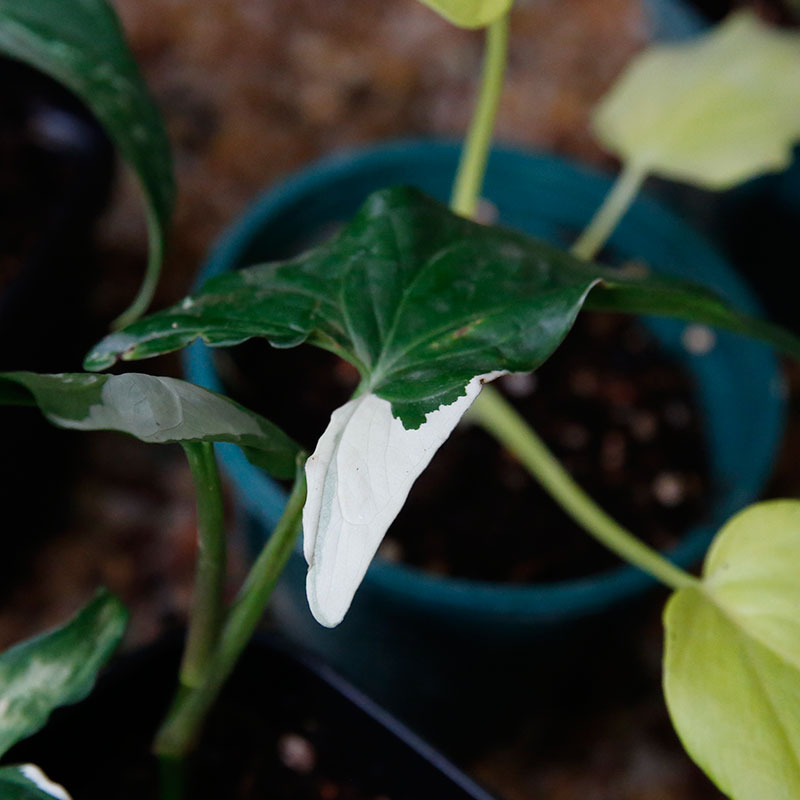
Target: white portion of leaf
[[41, 781], [358, 480], [715, 111]]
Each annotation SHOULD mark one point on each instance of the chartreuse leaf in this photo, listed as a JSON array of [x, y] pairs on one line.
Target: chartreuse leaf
[[470, 13], [56, 668], [713, 111], [27, 782], [732, 661], [80, 43], [421, 301], [153, 409]]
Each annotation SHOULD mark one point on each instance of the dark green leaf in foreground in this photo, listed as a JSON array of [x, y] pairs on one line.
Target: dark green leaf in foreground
[[56, 668], [153, 409], [80, 43], [27, 782], [420, 301]]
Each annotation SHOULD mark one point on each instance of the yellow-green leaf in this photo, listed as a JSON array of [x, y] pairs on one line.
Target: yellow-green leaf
[[470, 13], [714, 111], [732, 661]]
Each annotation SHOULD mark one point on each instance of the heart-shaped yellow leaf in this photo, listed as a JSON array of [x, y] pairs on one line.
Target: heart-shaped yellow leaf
[[732, 660], [714, 111], [470, 13]]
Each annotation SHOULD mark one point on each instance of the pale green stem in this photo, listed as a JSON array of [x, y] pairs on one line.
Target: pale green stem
[[490, 410], [151, 276], [475, 154], [498, 417], [608, 216], [183, 724], [208, 609]]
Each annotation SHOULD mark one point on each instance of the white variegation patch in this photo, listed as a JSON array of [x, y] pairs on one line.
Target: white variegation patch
[[358, 480], [41, 781]]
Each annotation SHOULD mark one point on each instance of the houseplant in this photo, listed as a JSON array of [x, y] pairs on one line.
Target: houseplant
[[488, 300]]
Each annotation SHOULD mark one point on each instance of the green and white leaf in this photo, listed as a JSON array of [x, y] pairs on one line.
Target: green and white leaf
[[358, 480], [28, 782], [732, 661], [81, 44], [425, 304], [714, 111], [470, 13], [153, 409], [56, 668], [420, 301]]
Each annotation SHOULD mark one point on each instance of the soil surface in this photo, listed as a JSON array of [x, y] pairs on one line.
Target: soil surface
[[615, 409]]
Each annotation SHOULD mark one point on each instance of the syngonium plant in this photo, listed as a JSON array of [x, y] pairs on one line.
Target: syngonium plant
[[429, 307]]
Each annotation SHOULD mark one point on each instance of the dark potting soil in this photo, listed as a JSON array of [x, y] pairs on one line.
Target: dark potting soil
[[615, 408]]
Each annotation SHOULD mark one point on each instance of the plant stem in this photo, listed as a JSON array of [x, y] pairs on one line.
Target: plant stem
[[475, 154], [490, 410], [498, 417], [171, 778], [182, 726], [608, 216], [208, 609]]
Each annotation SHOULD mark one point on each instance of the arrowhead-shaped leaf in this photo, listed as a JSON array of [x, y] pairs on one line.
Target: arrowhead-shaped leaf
[[713, 111], [27, 782], [156, 410], [80, 43], [358, 480], [420, 301], [732, 661], [56, 668], [470, 13]]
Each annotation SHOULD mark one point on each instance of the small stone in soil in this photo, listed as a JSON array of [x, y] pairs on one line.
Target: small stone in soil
[[297, 753], [698, 339], [668, 489], [574, 436], [391, 550], [644, 426], [613, 453], [520, 384], [677, 415]]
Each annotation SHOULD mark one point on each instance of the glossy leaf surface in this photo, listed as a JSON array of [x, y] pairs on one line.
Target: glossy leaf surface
[[420, 301], [714, 111], [27, 782], [153, 409], [732, 661], [470, 13], [56, 668], [81, 44]]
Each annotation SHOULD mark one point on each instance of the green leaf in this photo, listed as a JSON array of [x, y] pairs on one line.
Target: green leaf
[[470, 13], [27, 782], [732, 661], [81, 44], [420, 301], [155, 410], [56, 668], [715, 111]]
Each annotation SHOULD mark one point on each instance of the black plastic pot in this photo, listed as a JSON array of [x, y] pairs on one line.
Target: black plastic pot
[[285, 727], [55, 173]]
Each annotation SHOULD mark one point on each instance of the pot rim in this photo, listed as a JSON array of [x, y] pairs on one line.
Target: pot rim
[[578, 190]]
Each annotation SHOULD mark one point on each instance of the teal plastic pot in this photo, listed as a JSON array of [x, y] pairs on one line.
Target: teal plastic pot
[[397, 608]]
